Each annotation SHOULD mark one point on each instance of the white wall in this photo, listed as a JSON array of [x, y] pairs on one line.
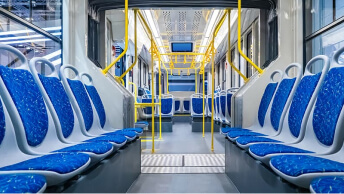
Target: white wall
[[290, 50], [74, 53]]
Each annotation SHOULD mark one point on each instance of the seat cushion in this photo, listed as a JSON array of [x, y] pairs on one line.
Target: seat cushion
[[94, 147], [235, 134], [332, 184], [117, 139], [266, 149], [21, 183], [61, 163], [136, 129], [142, 122], [228, 129], [296, 165], [126, 133], [244, 140]]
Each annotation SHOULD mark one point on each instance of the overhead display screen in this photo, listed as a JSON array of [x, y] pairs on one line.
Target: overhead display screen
[[182, 47]]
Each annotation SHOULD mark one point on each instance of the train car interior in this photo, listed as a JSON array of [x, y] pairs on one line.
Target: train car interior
[[172, 96]]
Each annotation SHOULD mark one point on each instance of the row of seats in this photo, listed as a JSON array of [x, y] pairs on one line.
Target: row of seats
[[222, 104], [299, 128], [52, 127]]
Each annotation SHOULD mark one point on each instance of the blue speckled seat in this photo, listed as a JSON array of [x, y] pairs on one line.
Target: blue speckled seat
[[240, 133], [186, 106], [94, 147], [323, 131], [331, 184], [273, 148], [244, 140], [22, 183], [296, 165], [143, 122], [167, 106], [177, 105], [263, 107]]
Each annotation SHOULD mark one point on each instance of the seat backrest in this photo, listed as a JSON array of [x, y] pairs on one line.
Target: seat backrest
[[167, 108], [298, 112], [79, 98], [268, 95], [33, 124], [283, 97], [177, 105], [65, 120], [186, 105], [197, 104], [325, 124]]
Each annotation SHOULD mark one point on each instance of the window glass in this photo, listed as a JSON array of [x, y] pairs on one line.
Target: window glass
[[319, 13], [339, 9], [232, 70], [29, 42], [326, 43], [181, 83], [42, 13], [249, 51]]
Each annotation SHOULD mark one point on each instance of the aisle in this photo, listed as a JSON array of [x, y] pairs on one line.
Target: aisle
[[184, 163]]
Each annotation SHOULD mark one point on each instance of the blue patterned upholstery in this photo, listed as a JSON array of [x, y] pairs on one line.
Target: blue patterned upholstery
[[96, 148], [142, 122], [300, 102], [21, 183], [265, 102], [267, 148], [244, 140], [166, 105], [147, 110], [61, 163], [217, 100], [98, 104], [28, 101], [209, 104], [328, 106], [176, 105], [118, 139], [229, 103], [280, 100], [330, 184], [238, 133], [296, 165], [2, 123], [228, 129], [84, 102], [197, 105], [127, 133], [137, 129], [61, 103], [186, 105], [223, 105]]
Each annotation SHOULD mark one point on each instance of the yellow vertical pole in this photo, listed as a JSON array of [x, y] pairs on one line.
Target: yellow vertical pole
[[153, 96], [195, 80], [160, 98], [203, 98], [135, 93], [212, 93]]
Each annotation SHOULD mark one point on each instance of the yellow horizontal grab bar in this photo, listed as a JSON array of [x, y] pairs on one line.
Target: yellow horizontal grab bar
[[126, 41], [239, 41]]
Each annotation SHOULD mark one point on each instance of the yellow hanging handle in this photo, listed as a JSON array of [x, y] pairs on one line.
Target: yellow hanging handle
[[126, 41]]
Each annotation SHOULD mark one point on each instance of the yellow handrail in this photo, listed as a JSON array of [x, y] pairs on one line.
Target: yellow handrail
[[153, 101], [239, 41], [126, 40], [195, 81], [203, 99], [160, 98], [135, 93], [135, 37]]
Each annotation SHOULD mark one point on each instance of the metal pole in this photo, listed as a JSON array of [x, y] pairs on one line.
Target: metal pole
[[203, 98]]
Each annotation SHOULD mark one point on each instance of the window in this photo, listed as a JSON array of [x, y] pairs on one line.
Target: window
[[140, 72], [42, 13], [144, 75], [181, 83], [249, 52], [92, 46], [29, 42], [324, 25], [218, 73], [241, 61], [232, 70], [223, 67]]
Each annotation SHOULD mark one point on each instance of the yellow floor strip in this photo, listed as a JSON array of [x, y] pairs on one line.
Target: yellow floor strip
[[181, 115]]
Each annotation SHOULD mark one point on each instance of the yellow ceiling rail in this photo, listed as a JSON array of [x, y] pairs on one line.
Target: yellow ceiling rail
[[135, 36], [126, 40], [239, 41], [182, 54]]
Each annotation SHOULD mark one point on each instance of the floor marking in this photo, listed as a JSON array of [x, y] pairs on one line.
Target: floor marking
[[183, 170]]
